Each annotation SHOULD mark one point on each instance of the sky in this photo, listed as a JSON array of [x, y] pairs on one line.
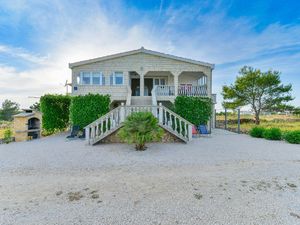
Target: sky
[[38, 38]]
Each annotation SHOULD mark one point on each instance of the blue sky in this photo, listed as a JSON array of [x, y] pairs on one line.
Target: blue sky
[[39, 39]]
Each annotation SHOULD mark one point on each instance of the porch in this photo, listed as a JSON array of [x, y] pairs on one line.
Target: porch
[[165, 83]]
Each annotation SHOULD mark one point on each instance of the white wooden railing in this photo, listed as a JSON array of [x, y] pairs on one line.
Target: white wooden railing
[[169, 90], [112, 121], [192, 90], [165, 90]]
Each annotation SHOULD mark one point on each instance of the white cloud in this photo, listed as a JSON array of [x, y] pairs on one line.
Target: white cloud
[[68, 32]]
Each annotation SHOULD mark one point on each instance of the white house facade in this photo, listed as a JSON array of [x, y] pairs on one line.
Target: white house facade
[[142, 78]]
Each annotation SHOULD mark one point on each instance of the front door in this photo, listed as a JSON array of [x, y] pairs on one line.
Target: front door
[[135, 87], [148, 86]]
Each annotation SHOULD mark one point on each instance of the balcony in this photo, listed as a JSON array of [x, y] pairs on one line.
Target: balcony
[[169, 90]]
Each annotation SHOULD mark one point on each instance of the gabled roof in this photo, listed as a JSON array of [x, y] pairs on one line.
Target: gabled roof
[[141, 50]]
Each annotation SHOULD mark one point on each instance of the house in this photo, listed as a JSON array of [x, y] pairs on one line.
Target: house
[[142, 77]]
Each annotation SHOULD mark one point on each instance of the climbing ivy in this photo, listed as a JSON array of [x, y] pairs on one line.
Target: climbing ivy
[[87, 108], [196, 110]]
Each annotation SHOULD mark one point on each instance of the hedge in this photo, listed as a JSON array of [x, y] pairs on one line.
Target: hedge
[[87, 108], [272, 134], [293, 137], [257, 132], [55, 109], [196, 110]]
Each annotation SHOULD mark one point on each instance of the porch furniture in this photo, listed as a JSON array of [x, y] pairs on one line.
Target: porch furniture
[[74, 132]]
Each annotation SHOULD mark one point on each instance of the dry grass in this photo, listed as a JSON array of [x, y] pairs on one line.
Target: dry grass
[[284, 122]]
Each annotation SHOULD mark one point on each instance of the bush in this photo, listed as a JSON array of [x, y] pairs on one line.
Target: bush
[[257, 132], [87, 108], [272, 134], [55, 109], [196, 110], [7, 136], [293, 137], [139, 128]]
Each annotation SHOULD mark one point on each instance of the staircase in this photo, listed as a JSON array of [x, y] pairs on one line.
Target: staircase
[[141, 100], [112, 121]]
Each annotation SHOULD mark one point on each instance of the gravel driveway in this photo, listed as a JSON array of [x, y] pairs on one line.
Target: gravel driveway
[[223, 179]]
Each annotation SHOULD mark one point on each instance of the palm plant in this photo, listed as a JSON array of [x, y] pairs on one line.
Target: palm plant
[[140, 128]]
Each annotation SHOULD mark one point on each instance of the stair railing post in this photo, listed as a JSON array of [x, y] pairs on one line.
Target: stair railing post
[[87, 135], [122, 113], [160, 116], [190, 132]]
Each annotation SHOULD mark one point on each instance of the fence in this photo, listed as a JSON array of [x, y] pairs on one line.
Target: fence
[[229, 120], [242, 121]]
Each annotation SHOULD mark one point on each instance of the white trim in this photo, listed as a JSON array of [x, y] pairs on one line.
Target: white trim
[[141, 50]]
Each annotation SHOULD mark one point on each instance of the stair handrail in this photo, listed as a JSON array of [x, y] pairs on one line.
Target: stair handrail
[[103, 116]]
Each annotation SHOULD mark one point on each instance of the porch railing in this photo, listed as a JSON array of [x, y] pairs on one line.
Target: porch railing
[[165, 90], [169, 90], [192, 90]]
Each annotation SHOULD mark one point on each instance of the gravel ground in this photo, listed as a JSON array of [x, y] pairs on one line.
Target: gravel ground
[[223, 179]]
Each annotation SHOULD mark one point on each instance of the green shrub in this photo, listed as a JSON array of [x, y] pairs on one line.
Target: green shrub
[[293, 137], [7, 136], [55, 109], [139, 128], [257, 132], [272, 134], [196, 110], [87, 108]]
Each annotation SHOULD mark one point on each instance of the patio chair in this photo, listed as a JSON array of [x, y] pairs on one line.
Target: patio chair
[[203, 130], [194, 131], [74, 131]]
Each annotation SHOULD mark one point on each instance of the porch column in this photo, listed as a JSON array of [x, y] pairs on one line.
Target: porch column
[[209, 83], [175, 77], [176, 83], [142, 84]]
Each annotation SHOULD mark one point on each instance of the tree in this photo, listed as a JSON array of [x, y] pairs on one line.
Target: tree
[[35, 106], [9, 108], [296, 111], [260, 90], [139, 128]]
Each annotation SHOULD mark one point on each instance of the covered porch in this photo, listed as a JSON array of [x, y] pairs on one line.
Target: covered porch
[[166, 83]]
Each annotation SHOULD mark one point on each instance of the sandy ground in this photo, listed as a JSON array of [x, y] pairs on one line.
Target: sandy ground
[[223, 179]]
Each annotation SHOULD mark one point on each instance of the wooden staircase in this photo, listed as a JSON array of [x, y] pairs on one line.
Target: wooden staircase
[[112, 121]]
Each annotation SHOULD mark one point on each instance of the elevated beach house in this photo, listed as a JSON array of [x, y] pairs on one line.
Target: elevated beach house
[[141, 80]]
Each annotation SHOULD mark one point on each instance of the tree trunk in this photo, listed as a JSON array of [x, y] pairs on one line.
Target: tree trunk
[[257, 121]]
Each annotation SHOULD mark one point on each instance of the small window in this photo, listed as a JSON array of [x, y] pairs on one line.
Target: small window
[[96, 78], [162, 81], [85, 78], [156, 81], [117, 78]]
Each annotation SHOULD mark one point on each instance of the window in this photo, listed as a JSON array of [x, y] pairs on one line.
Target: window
[[117, 78], [91, 78], [85, 78], [159, 81]]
